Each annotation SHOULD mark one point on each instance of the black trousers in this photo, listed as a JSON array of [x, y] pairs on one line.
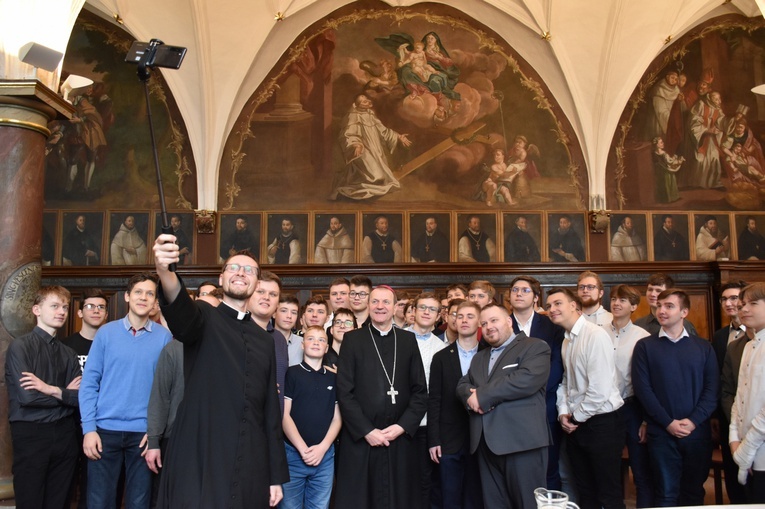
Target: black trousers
[[509, 480], [44, 457], [595, 451]]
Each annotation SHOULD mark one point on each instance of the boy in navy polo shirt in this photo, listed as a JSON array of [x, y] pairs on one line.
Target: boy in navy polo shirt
[[311, 423]]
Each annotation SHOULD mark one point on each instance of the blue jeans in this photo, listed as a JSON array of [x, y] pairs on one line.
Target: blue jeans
[[680, 467], [309, 487], [119, 447]]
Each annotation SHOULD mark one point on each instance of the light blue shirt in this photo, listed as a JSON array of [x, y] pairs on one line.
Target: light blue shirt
[[466, 357], [496, 352]]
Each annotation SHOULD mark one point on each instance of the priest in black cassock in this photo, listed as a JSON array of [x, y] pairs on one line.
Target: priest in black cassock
[[383, 397], [227, 446]]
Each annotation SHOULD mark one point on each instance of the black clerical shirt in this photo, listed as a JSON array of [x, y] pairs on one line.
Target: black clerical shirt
[[52, 362]]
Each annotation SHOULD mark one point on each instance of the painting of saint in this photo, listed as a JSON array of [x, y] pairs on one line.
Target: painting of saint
[[523, 235], [508, 179], [712, 240], [751, 241], [566, 232], [239, 232], [381, 242], [429, 237], [287, 238], [81, 244], [336, 238], [182, 225], [128, 231], [628, 238], [670, 237], [476, 242]]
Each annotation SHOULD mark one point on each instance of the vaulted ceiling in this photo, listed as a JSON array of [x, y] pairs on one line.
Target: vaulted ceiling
[[595, 54]]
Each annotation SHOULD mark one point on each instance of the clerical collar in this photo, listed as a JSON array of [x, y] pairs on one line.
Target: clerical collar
[[382, 333], [240, 315]]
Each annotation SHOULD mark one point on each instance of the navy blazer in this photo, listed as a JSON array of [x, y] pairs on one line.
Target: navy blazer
[[447, 418], [543, 328]]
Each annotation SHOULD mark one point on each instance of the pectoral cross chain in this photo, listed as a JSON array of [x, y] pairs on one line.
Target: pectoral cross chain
[[392, 393]]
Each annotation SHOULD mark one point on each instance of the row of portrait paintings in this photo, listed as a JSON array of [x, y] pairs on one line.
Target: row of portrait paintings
[[123, 237]]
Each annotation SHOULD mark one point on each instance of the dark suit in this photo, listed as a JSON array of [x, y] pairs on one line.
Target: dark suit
[[512, 396], [448, 426], [543, 328], [728, 385]]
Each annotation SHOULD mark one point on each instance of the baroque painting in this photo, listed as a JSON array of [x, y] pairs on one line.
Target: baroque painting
[[102, 158], [421, 107], [691, 136], [335, 236]]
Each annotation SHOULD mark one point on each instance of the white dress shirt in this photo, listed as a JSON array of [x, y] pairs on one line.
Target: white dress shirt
[[599, 317], [589, 380], [429, 345], [624, 340], [747, 420]]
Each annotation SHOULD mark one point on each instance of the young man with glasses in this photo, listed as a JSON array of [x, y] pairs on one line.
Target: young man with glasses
[[361, 286], [590, 289], [426, 308], [93, 313], [728, 344], [311, 424], [525, 292], [230, 410], [344, 322]]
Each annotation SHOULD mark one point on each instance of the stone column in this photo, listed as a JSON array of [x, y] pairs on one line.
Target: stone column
[[26, 107]]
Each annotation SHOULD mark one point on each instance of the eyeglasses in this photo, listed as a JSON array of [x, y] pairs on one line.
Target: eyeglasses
[[360, 295], [423, 307], [453, 314], [589, 288], [732, 298], [316, 340], [234, 268], [100, 307], [343, 323], [521, 289]]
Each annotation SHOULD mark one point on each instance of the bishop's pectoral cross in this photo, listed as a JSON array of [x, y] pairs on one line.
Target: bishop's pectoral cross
[[392, 393]]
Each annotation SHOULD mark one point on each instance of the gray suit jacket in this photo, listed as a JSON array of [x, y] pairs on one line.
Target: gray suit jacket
[[512, 397]]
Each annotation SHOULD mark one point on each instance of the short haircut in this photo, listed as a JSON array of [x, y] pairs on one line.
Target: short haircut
[[408, 306], [267, 275], [626, 292], [92, 293], [709, 217], [457, 286], [685, 301], [208, 283], [359, 280], [243, 218], [565, 216], [241, 252], [456, 302], [140, 278], [402, 295], [289, 298], [468, 304], [625, 218], [491, 305], [752, 292], [750, 218], [318, 300], [471, 216], [536, 287], [589, 273], [339, 281], [178, 216], [733, 284], [484, 285], [571, 295], [56, 291], [347, 312], [661, 279], [425, 295], [665, 217], [217, 293], [318, 328]]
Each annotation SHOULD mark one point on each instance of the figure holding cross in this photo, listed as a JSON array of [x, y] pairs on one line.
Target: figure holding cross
[[383, 397]]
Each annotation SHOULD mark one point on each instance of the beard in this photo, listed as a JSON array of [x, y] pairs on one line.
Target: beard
[[238, 293], [590, 301]]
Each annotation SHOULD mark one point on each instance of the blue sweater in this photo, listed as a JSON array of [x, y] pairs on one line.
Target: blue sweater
[[116, 383], [676, 381]]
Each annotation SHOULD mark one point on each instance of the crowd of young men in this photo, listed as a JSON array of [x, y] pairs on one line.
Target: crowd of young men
[[259, 401]]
